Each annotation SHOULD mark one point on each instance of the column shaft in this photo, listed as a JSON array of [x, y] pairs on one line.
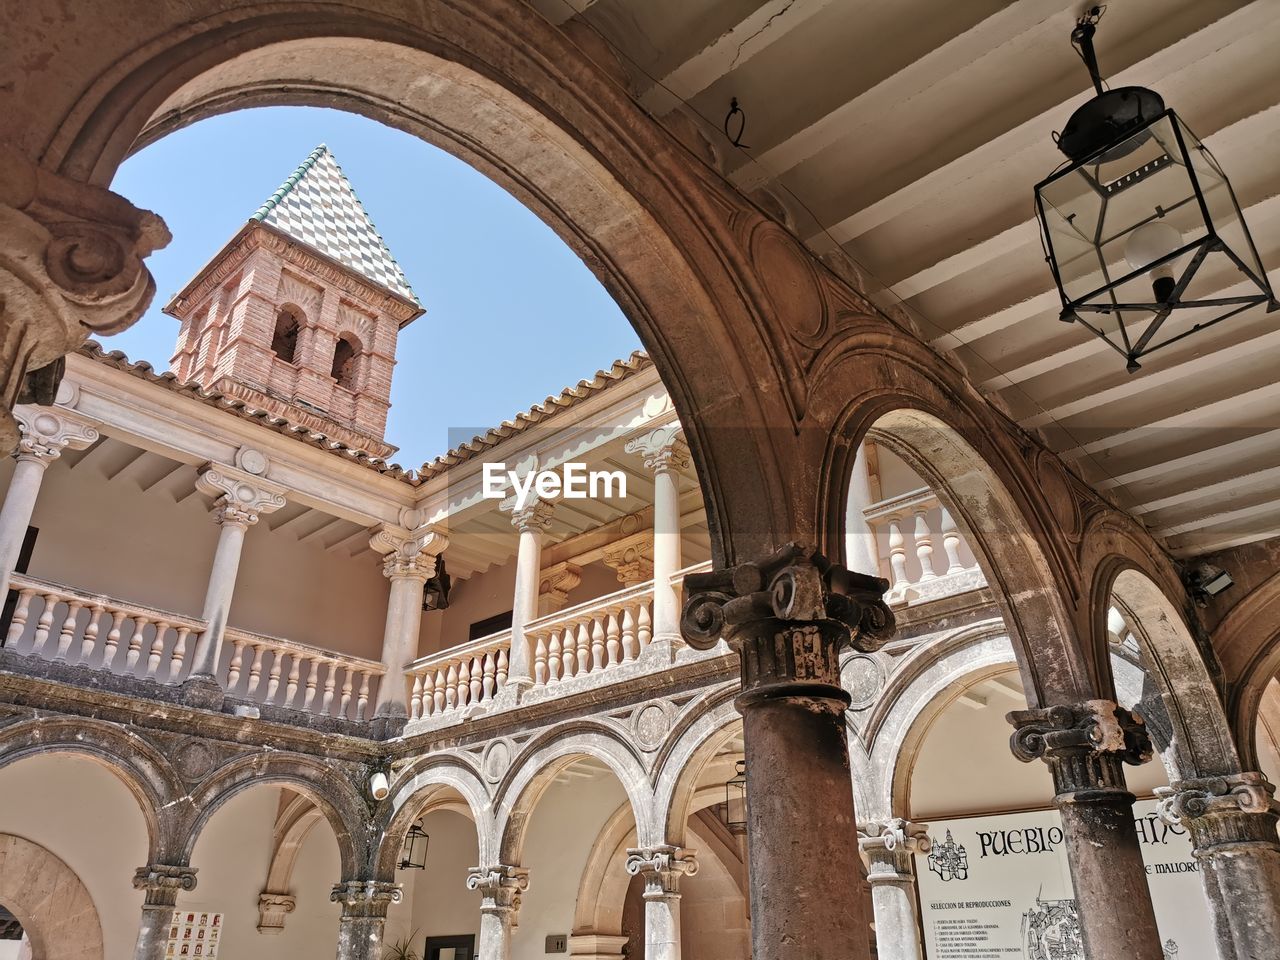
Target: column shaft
[[662, 867], [495, 933], [887, 848], [531, 520], [15, 515], [399, 643], [161, 884], [860, 547], [217, 598], [501, 888], [362, 924], [661, 926], [666, 553]]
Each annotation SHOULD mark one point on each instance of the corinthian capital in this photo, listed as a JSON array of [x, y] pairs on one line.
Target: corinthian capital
[[501, 887], [662, 867], [663, 448], [408, 554], [47, 431], [239, 498], [70, 265], [1083, 743]]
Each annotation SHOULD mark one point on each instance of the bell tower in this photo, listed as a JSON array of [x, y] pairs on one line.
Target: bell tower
[[299, 313]]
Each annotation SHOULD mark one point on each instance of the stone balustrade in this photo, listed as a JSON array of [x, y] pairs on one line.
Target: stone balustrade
[[459, 677], [592, 637], [927, 558]]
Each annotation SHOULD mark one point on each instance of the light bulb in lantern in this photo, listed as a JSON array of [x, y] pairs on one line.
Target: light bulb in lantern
[[1151, 242]]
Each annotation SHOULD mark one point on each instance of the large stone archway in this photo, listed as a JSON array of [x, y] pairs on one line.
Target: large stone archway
[[55, 909]]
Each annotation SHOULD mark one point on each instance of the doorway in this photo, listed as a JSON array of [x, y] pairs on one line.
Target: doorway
[[450, 948]]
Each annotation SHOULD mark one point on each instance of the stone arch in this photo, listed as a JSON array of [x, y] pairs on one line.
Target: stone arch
[[689, 748], [603, 887], [65, 925], [433, 783], [143, 770], [1247, 643], [333, 795], [294, 824], [544, 757]]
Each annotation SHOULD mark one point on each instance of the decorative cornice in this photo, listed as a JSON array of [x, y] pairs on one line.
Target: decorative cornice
[[555, 584], [47, 431], [631, 559], [1083, 743], [662, 867]]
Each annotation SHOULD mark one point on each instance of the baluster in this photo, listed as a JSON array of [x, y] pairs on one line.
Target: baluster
[[295, 675], [362, 698], [347, 679], [597, 645], [273, 678], [613, 644], [464, 682], [330, 682], [451, 687], [644, 629], [134, 653], [89, 640], [156, 653], [951, 542], [428, 694], [68, 629], [584, 647], [113, 640], [255, 669], [179, 654], [313, 681], [629, 649], [237, 662], [924, 545], [503, 660], [440, 699], [568, 659], [20, 613], [897, 555], [554, 654], [415, 698], [477, 683], [43, 624], [490, 674], [540, 661]]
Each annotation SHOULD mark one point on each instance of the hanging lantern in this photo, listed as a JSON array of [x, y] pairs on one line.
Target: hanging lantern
[[734, 812], [413, 856], [1142, 230]]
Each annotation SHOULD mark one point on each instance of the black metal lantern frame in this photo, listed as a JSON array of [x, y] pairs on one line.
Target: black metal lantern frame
[[413, 855], [1144, 234], [735, 799]]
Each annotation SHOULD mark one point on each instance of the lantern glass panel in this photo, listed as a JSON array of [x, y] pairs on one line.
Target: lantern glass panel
[[735, 798]]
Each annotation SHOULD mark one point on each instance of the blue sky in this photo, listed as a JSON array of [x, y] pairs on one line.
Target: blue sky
[[512, 313]]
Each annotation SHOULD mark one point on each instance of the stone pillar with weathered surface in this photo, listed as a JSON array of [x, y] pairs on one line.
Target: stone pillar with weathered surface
[[787, 617], [160, 884], [1085, 745], [364, 916], [45, 434], [531, 520], [861, 551], [501, 888], [1232, 822], [661, 867], [664, 453], [887, 848], [240, 499], [409, 562]]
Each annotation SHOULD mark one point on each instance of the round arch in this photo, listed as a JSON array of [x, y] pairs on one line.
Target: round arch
[[684, 757], [434, 783], [1247, 642], [63, 926]]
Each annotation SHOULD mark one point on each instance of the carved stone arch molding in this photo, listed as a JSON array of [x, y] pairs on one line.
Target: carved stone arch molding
[[48, 898], [421, 786], [1247, 642]]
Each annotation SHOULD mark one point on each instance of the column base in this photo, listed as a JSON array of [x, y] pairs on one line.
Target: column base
[[203, 692]]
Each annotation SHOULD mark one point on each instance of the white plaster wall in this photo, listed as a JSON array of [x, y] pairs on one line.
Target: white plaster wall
[[476, 598], [442, 904], [598, 580], [232, 856], [82, 813]]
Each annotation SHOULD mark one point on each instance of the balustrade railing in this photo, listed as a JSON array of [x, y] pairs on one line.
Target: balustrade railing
[[459, 677], [922, 547], [591, 637], [54, 622]]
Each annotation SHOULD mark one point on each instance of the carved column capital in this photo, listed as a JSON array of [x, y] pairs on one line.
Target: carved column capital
[[788, 616], [365, 898], [554, 585], [272, 910], [501, 888], [662, 866], [631, 559], [887, 847], [408, 554], [1229, 811], [161, 882], [239, 498], [1084, 744], [663, 448], [533, 517], [47, 431]]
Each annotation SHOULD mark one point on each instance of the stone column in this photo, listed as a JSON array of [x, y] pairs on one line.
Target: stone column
[[531, 520], [1084, 745], [662, 867], [160, 883], [409, 562], [860, 547], [241, 499], [364, 915], [787, 618], [501, 888], [664, 453], [887, 847], [45, 433], [1232, 822]]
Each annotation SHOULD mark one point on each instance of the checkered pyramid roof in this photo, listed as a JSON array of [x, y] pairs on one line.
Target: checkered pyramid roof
[[317, 206]]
